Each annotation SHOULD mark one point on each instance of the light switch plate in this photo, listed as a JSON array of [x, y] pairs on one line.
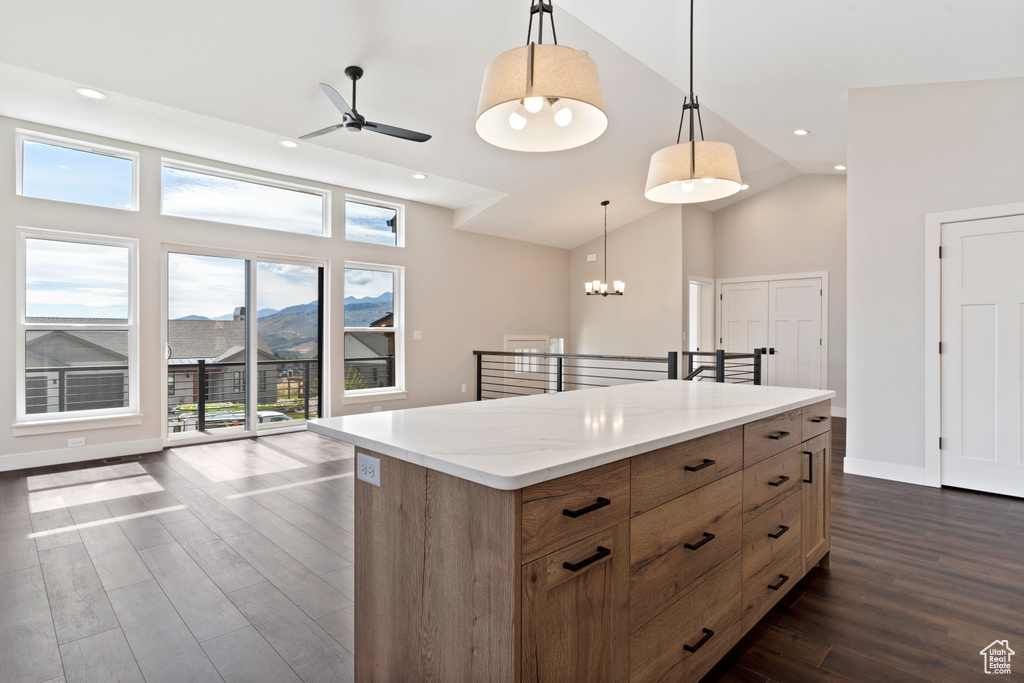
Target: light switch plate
[[417, 335], [368, 468], [591, 258]]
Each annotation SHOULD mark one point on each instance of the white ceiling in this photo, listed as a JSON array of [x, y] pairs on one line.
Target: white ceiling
[[226, 79]]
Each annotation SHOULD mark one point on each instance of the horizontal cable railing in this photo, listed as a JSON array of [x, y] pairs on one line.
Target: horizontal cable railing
[[205, 395], [507, 373], [73, 388]]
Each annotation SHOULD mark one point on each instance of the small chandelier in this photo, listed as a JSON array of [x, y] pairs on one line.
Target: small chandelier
[[541, 98], [694, 171], [601, 288]]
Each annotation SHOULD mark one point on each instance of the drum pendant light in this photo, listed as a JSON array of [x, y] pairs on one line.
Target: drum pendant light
[[694, 171], [541, 98]]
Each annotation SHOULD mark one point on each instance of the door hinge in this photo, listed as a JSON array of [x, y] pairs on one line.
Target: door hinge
[[819, 342], [719, 340], [940, 347], [720, 297], [821, 292], [940, 252], [940, 443]]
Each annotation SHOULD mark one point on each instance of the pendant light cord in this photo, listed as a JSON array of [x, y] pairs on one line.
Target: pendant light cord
[[605, 205], [542, 8], [693, 103]]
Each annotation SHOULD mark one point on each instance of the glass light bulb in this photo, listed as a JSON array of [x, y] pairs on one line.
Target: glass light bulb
[[604, 288], [589, 286], [516, 121], [707, 181], [563, 115], [687, 185], [533, 104], [619, 286], [597, 285]]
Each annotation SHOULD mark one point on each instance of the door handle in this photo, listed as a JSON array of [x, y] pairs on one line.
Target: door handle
[[771, 351]]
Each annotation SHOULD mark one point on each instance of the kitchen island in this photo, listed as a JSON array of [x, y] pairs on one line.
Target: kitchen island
[[624, 533]]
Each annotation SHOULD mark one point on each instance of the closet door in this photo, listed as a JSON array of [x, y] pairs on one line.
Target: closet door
[[794, 333], [744, 316]]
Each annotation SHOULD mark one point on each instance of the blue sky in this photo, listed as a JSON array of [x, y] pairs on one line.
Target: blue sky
[[368, 223], [70, 175], [71, 280]]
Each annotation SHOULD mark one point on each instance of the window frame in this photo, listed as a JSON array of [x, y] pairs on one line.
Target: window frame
[[24, 419], [22, 134], [398, 391], [176, 164], [367, 201]]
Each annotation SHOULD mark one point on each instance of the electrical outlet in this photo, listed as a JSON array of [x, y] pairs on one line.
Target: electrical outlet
[[377, 409], [417, 335], [75, 443], [463, 388], [368, 468]]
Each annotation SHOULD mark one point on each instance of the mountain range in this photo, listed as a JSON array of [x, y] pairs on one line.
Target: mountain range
[[292, 331]]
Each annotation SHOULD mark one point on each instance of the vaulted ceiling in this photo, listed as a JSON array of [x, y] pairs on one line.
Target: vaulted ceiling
[[226, 80]]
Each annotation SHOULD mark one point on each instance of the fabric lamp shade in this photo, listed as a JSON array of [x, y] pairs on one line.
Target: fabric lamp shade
[[716, 173], [564, 77]]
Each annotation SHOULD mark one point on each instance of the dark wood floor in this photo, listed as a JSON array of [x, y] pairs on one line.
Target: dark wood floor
[[234, 562]]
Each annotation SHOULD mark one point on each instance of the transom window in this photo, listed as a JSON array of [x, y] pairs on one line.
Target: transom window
[[374, 222], [209, 194], [66, 170]]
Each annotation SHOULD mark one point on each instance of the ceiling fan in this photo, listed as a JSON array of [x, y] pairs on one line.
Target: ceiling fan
[[353, 120]]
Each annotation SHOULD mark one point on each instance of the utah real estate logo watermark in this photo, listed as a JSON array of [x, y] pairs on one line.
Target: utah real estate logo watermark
[[997, 657]]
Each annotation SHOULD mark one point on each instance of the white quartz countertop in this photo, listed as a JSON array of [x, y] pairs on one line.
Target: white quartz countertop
[[512, 443]]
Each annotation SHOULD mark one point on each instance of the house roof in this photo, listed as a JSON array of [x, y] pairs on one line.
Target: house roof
[[62, 347], [209, 339], [365, 345]]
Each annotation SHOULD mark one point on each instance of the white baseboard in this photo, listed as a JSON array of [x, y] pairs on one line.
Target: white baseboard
[[839, 412], [20, 461], [884, 470]]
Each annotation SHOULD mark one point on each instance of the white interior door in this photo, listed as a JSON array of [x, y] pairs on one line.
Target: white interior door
[[982, 329], [744, 308], [527, 374], [794, 333]]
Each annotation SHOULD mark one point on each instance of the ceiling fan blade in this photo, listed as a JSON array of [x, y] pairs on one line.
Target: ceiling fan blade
[[337, 100], [396, 132], [322, 131]]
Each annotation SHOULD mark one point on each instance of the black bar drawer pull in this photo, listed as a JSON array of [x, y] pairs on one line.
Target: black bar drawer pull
[[780, 435], [782, 580], [602, 552], [782, 529], [819, 420], [782, 480], [694, 546], [601, 502], [810, 467], [696, 468], [700, 643]]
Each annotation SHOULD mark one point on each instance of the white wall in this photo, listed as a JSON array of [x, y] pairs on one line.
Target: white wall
[[910, 154], [464, 291], [798, 226], [655, 256]]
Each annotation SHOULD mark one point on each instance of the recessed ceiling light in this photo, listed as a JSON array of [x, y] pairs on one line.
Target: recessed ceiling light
[[800, 131], [419, 176], [288, 143], [840, 167], [744, 187], [90, 93]]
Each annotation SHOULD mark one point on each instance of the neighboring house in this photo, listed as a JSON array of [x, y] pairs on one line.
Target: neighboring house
[[216, 342], [75, 370], [370, 356]]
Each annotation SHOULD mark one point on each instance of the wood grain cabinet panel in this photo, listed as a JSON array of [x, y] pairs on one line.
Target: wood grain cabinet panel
[[770, 480], [771, 435], [678, 543], [766, 586], [573, 601], [816, 498], [771, 532], [816, 419], [659, 476], [564, 510], [684, 641]]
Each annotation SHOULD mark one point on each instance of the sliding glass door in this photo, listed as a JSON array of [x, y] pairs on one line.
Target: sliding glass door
[[215, 346]]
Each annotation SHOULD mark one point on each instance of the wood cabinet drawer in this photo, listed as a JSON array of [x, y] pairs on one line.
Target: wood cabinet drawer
[[573, 603], [768, 535], [771, 435], [764, 587], [816, 419], [659, 476], [678, 543], [561, 511], [770, 480], [684, 642]]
